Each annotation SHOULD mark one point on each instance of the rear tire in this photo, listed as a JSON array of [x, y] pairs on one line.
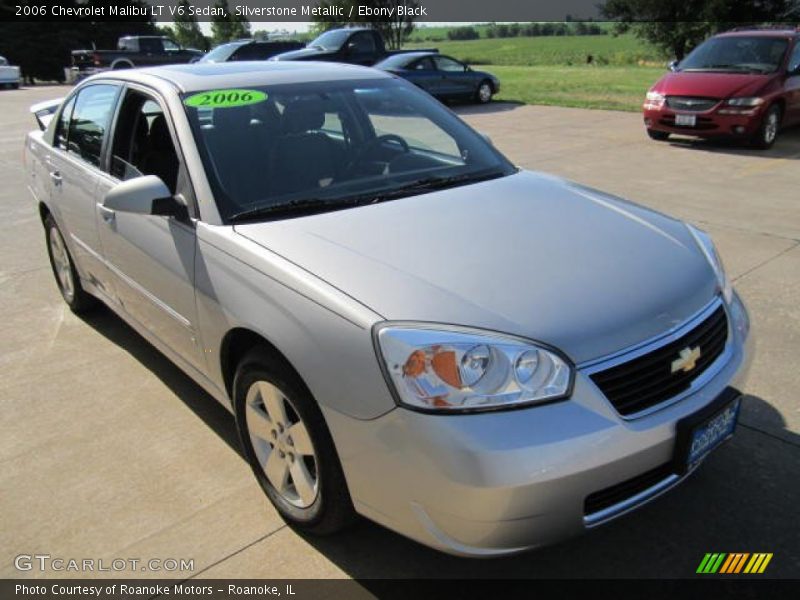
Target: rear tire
[[659, 136], [67, 279], [767, 133], [287, 443]]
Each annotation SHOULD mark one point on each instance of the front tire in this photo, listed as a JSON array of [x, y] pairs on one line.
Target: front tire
[[288, 445], [659, 136], [484, 93], [67, 279], [768, 131]]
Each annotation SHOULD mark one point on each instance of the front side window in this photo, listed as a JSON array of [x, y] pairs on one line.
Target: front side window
[[444, 63], [170, 46], [794, 59], [758, 54], [142, 142], [91, 116], [221, 53], [332, 142], [426, 64]]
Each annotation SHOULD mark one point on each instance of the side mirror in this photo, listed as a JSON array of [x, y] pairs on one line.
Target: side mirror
[[467, 68], [673, 65], [794, 72], [351, 47], [147, 195]]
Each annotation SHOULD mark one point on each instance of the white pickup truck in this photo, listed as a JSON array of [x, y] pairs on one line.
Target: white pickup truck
[[9, 75]]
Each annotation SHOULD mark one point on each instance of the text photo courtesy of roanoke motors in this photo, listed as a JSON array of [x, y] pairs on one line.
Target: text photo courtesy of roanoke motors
[[333, 299]]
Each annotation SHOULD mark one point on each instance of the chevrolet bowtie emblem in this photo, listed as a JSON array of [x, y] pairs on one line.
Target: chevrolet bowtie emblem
[[687, 360]]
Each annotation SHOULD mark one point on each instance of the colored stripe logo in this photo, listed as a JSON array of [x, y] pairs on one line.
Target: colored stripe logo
[[734, 563]]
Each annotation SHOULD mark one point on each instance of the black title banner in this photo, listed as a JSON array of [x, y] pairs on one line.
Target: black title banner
[[303, 10]]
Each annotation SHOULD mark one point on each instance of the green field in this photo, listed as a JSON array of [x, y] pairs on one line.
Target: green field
[[613, 88], [553, 70], [551, 50]]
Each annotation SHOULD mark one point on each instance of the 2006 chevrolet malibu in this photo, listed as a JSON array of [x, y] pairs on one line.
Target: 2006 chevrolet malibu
[[404, 325]]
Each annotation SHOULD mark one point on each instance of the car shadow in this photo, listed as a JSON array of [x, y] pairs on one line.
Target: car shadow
[[786, 146], [200, 402], [741, 499], [463, 108]]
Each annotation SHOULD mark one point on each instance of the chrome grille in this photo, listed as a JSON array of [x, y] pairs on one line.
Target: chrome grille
[[691, 103], [648, 380]]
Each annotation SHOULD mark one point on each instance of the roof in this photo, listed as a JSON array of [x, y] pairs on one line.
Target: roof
[[761, 32], [209, 76]]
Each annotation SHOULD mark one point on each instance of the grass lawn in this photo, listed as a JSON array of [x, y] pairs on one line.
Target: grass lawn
[[550, 50], [613, 88]]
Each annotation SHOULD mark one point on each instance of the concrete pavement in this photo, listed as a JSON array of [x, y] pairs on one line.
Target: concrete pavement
[[108, 451]]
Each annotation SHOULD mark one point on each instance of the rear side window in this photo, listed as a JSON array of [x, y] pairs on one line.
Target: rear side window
[[62, 128], [364, 42], [90, 119]]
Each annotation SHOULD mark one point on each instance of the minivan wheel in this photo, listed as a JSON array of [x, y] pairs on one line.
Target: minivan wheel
[[288, 445], [484, 93], [768, 131], [659, 136], [67, 279]]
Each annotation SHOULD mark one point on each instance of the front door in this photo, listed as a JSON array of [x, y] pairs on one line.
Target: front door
[[151, 257]]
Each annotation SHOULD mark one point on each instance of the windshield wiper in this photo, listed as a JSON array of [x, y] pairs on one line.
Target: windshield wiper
[[295, 208], [721, 67], [310, 206], [433, 183]]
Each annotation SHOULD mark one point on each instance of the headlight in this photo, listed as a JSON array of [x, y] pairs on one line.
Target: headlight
[[459, 370], [654, 100], [707, 246], [745, 101]]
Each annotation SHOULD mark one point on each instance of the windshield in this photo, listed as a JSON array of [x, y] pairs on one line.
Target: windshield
[[220, 53], [331, 40], [737, 53], [332, 143]]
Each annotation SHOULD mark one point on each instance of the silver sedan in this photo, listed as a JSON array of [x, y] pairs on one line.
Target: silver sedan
[[404, 325]]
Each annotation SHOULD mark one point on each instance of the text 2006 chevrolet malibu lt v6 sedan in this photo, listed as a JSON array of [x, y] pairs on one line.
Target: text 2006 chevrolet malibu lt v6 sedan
[[405, 325]]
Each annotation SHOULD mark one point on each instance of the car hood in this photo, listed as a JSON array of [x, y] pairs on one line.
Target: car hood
[[526, 254], [302, 54], [711, 85]]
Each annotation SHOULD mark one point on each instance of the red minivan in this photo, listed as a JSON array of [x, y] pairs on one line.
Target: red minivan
[[743, 84]]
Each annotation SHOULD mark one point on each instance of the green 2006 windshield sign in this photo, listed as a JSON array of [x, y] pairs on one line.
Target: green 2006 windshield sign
[[225, 98]]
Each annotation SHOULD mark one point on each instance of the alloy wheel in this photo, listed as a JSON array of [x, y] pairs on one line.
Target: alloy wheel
[[282, 444], [771, 127], [485, 92]]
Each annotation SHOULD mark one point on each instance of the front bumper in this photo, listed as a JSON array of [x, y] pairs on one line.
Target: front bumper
[[499, 483], [709, 124]]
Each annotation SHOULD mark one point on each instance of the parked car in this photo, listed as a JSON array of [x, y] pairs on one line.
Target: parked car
[[249, 50], [356, 46], [442, 76], [743, 84], [404, 325], [132, 51], [9, 75]]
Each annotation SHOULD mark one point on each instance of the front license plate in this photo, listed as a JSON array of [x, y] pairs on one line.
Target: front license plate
[[686, 120], [709, 435], [701, 433]]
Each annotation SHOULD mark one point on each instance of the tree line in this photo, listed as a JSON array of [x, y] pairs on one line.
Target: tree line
[[509, 30]]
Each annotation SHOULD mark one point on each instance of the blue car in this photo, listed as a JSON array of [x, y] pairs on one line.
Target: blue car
[[442, 76]]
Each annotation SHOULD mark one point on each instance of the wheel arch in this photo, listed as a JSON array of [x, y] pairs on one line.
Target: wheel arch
[[234, 347], [44, 211]]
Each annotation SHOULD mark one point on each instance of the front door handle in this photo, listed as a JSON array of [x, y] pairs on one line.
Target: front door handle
[[55, 176], [108, 215]]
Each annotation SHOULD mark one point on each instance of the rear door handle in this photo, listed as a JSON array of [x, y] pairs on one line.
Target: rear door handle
[[108, 215], [56, 177]]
